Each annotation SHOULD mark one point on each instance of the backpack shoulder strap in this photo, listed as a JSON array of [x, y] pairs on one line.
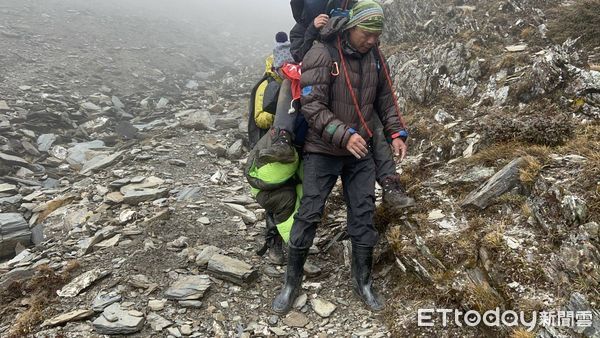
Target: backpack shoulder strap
[[333, 52], [378, 60], [335, 60], [335, 56]]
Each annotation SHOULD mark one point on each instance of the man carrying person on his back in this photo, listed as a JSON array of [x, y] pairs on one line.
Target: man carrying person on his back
[[341, 113], [311, 17]]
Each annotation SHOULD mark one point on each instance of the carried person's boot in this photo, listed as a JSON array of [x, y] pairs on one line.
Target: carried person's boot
[[362, 281], [273, 242], [394, 196], [281, 149], [275, 254], [293, 281]]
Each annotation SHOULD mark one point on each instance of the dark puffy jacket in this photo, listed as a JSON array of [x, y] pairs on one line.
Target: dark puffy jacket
[[327, 103], [301, 40], [304, 32], [297, 9]]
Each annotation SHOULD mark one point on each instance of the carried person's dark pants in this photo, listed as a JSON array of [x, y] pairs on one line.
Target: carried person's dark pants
[[385, 165], [358, 179], [281, 202]]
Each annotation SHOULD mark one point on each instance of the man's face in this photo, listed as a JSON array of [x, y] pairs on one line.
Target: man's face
[[362, 40]]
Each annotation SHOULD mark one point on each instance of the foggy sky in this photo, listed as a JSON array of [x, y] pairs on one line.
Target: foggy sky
[[245, 19]]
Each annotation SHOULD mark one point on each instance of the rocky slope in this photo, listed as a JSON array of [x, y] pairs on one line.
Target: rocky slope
[[504, 113], [122, 143]]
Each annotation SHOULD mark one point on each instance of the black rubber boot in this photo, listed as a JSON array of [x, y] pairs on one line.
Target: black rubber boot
[[394, 196], [281, 149], [362, 281], [293, 281]]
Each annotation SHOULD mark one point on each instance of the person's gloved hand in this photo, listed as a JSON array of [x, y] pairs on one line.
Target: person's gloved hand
[[320, 21]]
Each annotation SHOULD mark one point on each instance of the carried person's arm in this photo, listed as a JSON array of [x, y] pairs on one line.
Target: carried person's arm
[[312, 33], [303, 37], [315, 83], [388, 113]]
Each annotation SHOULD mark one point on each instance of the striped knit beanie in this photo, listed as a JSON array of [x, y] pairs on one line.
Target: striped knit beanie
[[366, 15]]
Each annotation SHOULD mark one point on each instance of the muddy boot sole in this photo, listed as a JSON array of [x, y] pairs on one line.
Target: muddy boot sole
[[266, 157]]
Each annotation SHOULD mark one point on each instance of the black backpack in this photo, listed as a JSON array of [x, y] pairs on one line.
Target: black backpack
[[271, 95]]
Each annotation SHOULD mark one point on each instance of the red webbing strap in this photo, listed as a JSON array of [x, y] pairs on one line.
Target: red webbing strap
[[389, 81], [360, 115]]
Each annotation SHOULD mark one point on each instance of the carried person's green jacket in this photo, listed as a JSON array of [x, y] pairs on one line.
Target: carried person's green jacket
[[276, 186]]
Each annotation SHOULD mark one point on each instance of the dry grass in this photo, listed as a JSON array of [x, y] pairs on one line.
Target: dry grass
[[42, 291], [527, 32], [476, 221], [516, 267], [458, 249], [588, 284], [423, 129], [493, 237], [493, 241], [526, 210], [394, 237], [481, 297], [547, 126], [385, 217], [529, 171], [578, 20], [586, 143], [510, 61], [511, 199], [522, 333], [502, 153], [528, 306]]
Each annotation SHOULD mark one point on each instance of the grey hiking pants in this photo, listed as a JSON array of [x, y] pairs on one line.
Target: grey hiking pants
[[320, 174], [285, 118]]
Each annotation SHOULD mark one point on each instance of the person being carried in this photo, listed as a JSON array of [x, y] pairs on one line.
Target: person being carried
[[281, 52], [340, 110], [311, 17]]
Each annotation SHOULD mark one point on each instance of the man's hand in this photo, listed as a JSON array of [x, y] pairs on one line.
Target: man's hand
[[400, 148], [357, 146], [320, 21]]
